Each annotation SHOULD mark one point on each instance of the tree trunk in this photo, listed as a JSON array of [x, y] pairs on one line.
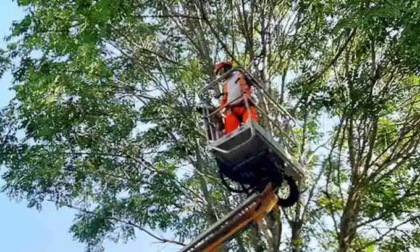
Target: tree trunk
[[296, 236], [348, 224]]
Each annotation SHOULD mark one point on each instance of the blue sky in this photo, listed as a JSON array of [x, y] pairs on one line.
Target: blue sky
[[27, 230]]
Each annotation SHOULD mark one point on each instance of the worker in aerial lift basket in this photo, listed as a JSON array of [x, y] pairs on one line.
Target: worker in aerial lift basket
[[235, 93], [234, 106]]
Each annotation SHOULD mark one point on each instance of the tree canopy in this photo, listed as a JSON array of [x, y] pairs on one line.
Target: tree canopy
[[103, 119]]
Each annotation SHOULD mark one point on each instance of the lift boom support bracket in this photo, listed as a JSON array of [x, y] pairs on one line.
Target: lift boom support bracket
[[254, 209]]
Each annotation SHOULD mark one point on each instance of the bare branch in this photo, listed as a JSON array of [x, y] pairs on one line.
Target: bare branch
[[393, 229], [170, 16], [310, 80], [161, 239], [213, 30]]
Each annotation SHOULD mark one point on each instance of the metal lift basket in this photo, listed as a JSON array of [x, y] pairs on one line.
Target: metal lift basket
[[252, 150]]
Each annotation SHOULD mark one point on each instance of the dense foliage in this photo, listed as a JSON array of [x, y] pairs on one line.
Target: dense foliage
[[103, 120]]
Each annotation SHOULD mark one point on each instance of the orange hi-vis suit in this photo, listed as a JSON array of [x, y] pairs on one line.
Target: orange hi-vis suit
[[235, 91]]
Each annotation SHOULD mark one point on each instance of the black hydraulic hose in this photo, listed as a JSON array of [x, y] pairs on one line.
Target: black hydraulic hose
[[224, 182], [293, 194]]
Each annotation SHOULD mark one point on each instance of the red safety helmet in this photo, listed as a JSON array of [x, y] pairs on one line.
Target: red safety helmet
[[221, 65]]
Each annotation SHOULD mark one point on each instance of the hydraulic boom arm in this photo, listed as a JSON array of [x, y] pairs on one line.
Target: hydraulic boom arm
[[252, 210]]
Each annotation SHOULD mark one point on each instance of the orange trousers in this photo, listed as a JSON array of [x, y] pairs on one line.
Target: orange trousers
[[237, 115]]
